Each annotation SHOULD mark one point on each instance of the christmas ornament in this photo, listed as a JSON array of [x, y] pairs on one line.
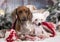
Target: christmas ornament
[[12, 36]]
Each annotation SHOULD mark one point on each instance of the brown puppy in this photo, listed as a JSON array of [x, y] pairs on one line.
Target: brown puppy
[[20, 15]]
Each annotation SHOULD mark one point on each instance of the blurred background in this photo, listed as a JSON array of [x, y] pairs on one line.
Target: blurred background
[[7, 6], [11, 4]]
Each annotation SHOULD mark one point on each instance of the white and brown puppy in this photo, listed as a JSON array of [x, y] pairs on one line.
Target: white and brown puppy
[[22, 17]]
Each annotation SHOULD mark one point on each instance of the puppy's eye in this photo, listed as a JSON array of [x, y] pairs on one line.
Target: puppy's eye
[[36, 19], [20, 11]]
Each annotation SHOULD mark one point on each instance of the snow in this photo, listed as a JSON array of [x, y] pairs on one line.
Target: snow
[[2, 40], [52, 39]]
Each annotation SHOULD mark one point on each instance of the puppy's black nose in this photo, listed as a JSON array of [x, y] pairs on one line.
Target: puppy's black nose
[[39, 24], [24, 19]]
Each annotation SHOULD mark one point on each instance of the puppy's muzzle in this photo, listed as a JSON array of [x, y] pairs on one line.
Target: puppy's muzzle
[[24, 19]]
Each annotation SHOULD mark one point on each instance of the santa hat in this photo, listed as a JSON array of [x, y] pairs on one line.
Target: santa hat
[[50, 27], [12, 36]]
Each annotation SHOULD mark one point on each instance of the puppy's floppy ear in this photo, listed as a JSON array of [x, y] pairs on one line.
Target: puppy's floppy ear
[[29, 14], [14, 16]]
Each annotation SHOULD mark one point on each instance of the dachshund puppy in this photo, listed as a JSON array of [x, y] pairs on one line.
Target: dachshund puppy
[[21, 16]]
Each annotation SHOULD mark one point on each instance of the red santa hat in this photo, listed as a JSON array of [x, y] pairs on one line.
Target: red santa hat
[[12, 36], [50, 27]]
